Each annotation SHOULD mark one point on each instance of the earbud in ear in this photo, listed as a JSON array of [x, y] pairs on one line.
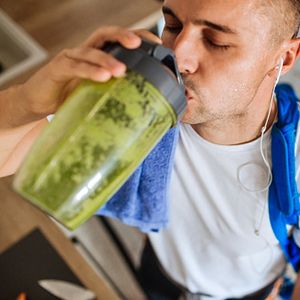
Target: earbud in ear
[[279, 68], [280, 64]]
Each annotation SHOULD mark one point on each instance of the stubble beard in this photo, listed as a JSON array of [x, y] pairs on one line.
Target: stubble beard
[[197, 112]]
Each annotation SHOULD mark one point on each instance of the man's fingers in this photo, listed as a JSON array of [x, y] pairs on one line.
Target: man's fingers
[[87, 71], [97, 58], [113, 34], [70, 68], [90, 62], [147, 35]]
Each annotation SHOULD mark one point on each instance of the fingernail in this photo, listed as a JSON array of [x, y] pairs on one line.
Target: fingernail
[[121, 70], [131, 35], [103, 76], [120, 75]]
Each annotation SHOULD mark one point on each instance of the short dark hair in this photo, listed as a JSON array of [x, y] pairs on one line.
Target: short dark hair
[[289, 12], [285, 16], [294, 10]]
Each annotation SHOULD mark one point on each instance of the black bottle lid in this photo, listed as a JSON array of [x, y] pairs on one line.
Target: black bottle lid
[[157, 65]]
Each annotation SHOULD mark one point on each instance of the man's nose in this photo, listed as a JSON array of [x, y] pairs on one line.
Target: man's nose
[[186, 54]]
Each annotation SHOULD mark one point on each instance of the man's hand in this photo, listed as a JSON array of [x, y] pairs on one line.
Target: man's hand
[[48, 88], [45, 91]]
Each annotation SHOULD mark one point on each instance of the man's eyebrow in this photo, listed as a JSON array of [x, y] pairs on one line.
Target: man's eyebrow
[[168, 11], [215, 26], [223, 28]]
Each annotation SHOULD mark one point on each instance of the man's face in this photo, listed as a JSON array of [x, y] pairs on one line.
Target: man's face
[[224, 53]]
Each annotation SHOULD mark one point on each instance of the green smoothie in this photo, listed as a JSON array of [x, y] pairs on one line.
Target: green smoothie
[[95, 142]]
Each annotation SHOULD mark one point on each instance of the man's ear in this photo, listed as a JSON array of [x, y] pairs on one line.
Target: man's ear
[[292, 52]]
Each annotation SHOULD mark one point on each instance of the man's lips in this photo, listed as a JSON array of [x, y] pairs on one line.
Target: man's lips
[[188, 95]]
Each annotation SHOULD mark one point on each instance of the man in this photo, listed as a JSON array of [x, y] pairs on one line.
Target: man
[[219, 243], [229, 54]]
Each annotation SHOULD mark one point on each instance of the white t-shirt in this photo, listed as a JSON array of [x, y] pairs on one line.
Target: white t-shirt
[[210, 245]]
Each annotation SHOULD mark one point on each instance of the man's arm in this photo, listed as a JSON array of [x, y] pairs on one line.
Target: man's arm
[[15, 126], [15, 144]]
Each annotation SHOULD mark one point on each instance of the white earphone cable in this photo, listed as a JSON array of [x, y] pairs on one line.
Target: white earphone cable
[[263, 155]]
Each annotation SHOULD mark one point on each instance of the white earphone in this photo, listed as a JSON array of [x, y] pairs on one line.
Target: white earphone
[[263, 130], [264, 156], [279, 68]]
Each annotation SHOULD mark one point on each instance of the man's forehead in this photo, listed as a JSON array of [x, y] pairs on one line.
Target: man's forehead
[[222, 4], [218, 8], [238, 15]]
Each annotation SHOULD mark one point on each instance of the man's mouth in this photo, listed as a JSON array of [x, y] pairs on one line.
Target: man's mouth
[[188, 95]]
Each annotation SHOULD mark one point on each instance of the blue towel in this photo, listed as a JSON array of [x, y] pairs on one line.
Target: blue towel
[[143, 200]]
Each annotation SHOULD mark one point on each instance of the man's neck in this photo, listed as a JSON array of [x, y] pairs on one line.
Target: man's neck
[[239, 130], [246, 127], [232, 134]]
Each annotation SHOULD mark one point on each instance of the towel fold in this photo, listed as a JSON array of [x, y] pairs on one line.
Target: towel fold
[[143, 200]]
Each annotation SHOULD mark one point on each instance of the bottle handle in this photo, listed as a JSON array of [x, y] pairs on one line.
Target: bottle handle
[[164, 55], [159, 52]]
